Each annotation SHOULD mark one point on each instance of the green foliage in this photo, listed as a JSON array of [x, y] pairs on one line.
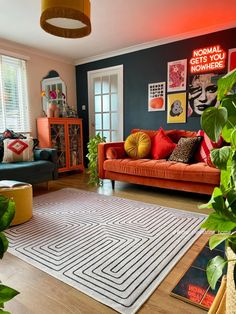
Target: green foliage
[[7, 212], [93, 158], [215, 270], [218, 122]]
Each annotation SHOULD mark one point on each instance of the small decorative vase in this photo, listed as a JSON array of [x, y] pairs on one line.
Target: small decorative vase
[[53, 110]]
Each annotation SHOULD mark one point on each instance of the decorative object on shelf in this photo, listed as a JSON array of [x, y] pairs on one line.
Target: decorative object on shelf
[[53, 91], [53, 109], [68, 18]]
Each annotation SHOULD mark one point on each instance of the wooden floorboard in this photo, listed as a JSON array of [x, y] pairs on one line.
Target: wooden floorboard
[[43, 294]]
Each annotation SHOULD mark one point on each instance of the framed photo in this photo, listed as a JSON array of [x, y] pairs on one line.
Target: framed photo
[[176, 108], [176, 75], [156, 96], [231, 59]]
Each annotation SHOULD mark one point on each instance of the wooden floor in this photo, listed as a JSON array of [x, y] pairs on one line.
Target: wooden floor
[[43, 294]]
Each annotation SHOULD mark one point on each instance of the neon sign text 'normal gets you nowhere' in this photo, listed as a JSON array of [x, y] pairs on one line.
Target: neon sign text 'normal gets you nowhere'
[[207, 59]]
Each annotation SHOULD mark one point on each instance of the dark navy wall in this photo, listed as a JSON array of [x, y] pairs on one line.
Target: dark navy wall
[[143, 67]]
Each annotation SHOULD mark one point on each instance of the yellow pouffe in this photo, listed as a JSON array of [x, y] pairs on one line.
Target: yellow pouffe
[[22, 196]]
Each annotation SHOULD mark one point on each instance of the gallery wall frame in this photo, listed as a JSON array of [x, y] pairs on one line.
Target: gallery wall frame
[[157, 96], [176, 75]]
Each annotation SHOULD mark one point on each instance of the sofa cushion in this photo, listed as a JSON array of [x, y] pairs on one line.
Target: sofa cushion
[[175, 135], [204, 149], [18, 150], [150, 133], [138, 145], [198, 172], [185, 149], [115, 152], [162, 145]]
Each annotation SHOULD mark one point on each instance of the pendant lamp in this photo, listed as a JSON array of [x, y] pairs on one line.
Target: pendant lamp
[[66, 18]]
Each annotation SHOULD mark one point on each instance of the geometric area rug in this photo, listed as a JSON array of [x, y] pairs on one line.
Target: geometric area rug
[[115, 250]]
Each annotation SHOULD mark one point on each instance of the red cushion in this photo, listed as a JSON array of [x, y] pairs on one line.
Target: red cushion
[[203, 152], [162, 145]]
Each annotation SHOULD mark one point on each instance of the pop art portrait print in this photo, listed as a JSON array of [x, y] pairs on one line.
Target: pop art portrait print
[[202, 93], [176, 75]]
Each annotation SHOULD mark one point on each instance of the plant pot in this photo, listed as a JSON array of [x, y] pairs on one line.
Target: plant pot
[[230, 286]]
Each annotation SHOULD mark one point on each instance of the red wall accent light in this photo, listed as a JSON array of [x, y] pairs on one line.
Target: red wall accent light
[[207, 59]]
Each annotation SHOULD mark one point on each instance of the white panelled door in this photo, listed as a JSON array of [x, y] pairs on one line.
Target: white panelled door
[[105, 89]]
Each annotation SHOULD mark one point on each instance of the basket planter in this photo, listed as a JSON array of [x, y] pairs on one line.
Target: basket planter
[[230, 286]]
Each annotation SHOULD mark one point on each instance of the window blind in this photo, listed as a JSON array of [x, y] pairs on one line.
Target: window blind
[[14, 109]]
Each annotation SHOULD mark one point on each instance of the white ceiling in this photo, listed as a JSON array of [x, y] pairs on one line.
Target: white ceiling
[[117, 25]]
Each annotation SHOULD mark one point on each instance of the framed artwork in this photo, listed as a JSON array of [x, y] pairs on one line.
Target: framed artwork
[[156, 96], [231, 59], [193, 287], [176, 108], [202, 93], [176, 75]]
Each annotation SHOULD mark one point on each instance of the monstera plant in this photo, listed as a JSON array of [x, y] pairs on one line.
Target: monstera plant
[[7, 212], [93, 158], [216, 122]]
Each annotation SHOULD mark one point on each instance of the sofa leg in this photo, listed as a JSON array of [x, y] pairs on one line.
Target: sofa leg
[[113, 184]]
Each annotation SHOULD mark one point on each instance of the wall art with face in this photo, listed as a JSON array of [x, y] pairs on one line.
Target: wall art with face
[[202, 93]]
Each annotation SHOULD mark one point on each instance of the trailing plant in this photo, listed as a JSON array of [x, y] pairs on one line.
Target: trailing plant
[[7, 212], [216, 122], [93, 158]]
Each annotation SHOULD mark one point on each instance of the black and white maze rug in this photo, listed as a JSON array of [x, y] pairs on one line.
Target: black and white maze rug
[[115, 250]]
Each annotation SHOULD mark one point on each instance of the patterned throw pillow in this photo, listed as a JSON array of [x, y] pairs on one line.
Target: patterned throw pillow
[[138, 145], [204, 150], [185, 149], [16, 150]]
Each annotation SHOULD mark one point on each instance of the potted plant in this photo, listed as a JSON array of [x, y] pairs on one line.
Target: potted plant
[[93, 158], [7, 212], [216, 122]]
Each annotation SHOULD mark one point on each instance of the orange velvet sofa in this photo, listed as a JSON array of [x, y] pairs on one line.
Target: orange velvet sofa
[[196, 177]]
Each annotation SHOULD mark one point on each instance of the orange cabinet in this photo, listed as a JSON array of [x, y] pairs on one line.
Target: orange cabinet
[[65, 135]]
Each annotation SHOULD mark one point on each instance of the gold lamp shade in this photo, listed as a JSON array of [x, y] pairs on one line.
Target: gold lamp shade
[[66, 18]]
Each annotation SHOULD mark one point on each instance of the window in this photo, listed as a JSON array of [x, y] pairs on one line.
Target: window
[[14, 111]]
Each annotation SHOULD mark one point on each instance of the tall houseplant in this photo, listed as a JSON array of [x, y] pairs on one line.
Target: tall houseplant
[[218, 122], [93, 158], [7, 212]]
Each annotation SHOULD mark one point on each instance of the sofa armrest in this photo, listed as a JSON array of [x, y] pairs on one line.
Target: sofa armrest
[[48, 154], [102, 148]]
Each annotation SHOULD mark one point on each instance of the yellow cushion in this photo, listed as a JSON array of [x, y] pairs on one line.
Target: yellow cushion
[[138, 145]]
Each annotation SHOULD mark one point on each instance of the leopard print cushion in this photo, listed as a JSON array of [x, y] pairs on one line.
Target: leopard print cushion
[[185, 149]]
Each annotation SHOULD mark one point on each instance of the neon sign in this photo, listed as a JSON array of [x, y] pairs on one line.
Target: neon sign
[[207, 59]]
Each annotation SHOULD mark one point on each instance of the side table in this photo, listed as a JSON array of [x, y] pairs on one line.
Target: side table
[[23, 198]]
